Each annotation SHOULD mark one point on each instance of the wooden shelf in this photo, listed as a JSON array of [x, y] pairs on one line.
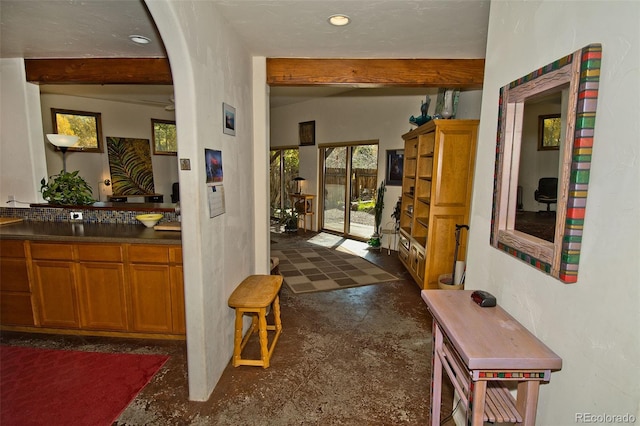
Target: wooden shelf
[[421, 241], [424, 221], [438, 185]]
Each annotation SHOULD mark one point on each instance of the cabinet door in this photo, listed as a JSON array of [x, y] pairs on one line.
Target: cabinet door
[[151, 298], [15, 290], [103, 299], [177, 300], [55, 290]]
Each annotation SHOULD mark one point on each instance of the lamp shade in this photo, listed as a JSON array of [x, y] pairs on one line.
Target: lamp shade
[[62, 141]]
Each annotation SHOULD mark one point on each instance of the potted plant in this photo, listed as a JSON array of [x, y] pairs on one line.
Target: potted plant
[[67, 188], [290, 220], [374, 241]]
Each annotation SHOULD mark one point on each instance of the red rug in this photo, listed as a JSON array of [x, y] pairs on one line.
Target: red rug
[[52, 387]]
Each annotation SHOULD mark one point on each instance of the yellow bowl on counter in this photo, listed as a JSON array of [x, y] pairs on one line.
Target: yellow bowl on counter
[[149, 220]]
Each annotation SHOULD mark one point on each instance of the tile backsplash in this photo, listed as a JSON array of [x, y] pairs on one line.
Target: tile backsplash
[[57, 214]]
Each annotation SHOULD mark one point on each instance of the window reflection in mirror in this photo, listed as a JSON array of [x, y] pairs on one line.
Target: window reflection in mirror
[[520, 166]]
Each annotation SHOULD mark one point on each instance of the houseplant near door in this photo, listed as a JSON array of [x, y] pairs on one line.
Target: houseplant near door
[[67, 188], [374, 241]]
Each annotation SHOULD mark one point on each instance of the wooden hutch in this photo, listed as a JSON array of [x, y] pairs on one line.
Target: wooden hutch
[[437, 183]]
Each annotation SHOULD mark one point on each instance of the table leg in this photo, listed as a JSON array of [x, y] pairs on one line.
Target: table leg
[[476, 403], [527, 401], [436, 377]]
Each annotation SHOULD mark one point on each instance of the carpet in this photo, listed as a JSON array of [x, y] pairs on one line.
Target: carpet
[[308, 269], [53, 387]]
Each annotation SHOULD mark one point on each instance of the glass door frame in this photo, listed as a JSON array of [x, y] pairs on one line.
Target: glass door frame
[[321, 172]]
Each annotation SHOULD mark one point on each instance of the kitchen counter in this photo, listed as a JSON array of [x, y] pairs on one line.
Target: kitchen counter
[[88, 232]]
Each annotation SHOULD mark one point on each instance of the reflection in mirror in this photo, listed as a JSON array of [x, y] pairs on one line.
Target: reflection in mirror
[[538, 170], [569, 87]]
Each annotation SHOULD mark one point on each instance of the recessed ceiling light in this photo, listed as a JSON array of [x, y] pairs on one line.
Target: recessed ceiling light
[[139, 39], [339, 20]]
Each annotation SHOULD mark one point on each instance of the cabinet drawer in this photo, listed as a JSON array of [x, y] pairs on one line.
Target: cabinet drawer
[[142, 253], [175, 254], [100, 252], [403, 254], [12, 248], [51, 251]]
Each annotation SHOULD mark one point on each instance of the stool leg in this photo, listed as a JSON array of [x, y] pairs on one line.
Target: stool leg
[[264, 344], [237, 341], [276, 313]]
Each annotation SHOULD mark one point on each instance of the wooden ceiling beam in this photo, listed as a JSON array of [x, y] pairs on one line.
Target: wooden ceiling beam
[[99, 71], [454, 73]]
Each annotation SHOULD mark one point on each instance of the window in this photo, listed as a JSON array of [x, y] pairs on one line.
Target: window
[[165, 141], [86, 125], [284, 168], [549, 132]]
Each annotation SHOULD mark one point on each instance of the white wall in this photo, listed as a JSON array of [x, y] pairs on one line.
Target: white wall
[[210, 66], [119, 120], [594, 324], [22, 162], [355, 118]]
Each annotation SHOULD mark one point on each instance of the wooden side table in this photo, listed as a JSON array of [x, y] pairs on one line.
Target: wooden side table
[[481, 350], [303, 205]]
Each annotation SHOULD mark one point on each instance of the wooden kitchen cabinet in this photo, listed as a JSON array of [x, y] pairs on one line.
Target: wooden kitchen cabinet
[[436, 196], [92, 288], [155, 274], [55, 285], [102, 289], [15, 288]]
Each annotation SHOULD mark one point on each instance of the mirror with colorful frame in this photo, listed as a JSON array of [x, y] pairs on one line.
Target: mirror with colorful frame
[[576, 77]]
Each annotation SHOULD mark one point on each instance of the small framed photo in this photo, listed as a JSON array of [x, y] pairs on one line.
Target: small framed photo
[[395, 166], [228, 119], [549, 132], [307, 133]]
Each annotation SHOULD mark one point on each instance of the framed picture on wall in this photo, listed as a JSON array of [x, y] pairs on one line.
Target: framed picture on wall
[[395, 165], [228, 119], [307, 132], [549, 132]]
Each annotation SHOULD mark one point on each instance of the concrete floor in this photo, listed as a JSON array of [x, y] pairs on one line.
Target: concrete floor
[[357, 356]]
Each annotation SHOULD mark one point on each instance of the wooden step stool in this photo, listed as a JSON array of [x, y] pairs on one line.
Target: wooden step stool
[[253, 296]]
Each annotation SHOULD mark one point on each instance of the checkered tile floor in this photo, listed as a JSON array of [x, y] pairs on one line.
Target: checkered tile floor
[[310, 269]]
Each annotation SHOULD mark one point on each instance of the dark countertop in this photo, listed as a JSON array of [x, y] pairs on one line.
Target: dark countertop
[[88, 232]]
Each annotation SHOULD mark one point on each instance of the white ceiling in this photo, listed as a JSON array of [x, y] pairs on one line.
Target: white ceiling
[[295, 28]]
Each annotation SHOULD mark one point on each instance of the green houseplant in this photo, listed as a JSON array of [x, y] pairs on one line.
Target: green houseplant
[[67, 188], [374, 241], [290, 220]]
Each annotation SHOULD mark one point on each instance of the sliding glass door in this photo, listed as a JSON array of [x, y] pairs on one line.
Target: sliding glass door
[[349, 180], [284, 167]]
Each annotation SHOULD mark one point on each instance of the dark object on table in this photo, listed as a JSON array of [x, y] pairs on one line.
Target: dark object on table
[[483, 298]]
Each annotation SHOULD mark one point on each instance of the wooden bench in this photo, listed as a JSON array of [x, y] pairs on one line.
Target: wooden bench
[[253, 296]]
